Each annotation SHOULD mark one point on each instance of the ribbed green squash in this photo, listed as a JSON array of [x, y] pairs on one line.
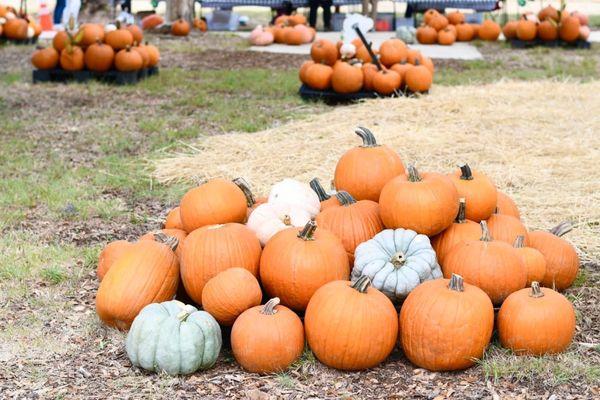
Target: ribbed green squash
[[173, 337]]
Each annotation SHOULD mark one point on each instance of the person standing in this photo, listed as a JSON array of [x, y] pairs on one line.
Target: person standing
[[314, 8], [58, 11]]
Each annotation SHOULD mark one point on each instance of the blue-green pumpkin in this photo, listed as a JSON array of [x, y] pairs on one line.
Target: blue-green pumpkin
[[173, 337]]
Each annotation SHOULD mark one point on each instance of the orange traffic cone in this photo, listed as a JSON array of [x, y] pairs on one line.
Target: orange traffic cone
[[45, 17]]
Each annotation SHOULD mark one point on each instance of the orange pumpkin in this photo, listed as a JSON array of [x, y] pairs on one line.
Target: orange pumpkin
[[91, 33], [229, 294], [418, 78], [298, 261], [489, 30], [547, 31], [456, 18], [143, 52], [153, 54], [176, 233], [548, 12], [152, 21], [173, 220], [386, 82], [215, 248], [16, 29], [200, 24], [128, 60], [414, 56], [72, 58], [292, 37], [297, 19], [429, 15], [526, 29], [534, 261], [318, 76], [478, 190], [427, 35], [136, 32], [99, 57], [364, 170], [180, 28], [362, 54], [507, 206], [60, 40], [465, 32], [45, 58], [369, 72], [507, 228], [119, 39], [568, 30], [346, 78], [324, 51], [392, 51], [401, 70], [447, 36], [510, 30], [109, 255], [302, 74], [438, 22]]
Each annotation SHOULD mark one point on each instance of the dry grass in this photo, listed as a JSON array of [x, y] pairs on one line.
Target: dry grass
[[539, 141]]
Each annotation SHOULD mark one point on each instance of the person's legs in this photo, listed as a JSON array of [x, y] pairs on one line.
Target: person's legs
[[312, 16], [374, 10], [58, 11], [326, 4]]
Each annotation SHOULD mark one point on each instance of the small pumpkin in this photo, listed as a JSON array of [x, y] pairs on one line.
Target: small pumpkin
[[261, 37], [230, 293], [534, 261], [396, 261], [465, 32], [386, 82], [269, 218], [526, 29], [462, 317], [45, 58], [419, 78], [425, 203], [99, 57], [562, 262], [447, 36], [306, 35], [392, 51], [292, 36], [174, 338], [267, 339], [111, 253], [362, 54], [507, 228], [478, 190], [128, 60], [568, 29], [427, 35], [346, 78], [318, 76], [324, 51], [456, 18], [584, 20], [180, 28], [297, 19], [298, 261], [344, 320], [414, 56], [489, 30], [119, 39], [72, 58], [327, 200], [363, 171], [507, 206], [173, 220], [302, 73]]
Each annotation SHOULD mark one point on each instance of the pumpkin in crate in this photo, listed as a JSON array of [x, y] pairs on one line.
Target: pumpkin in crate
[[267, 339], [297, 262], [351, 326], [446, 324], [215, 248], [118, 39], [152, 21], [354, 222], [427, 35], [507, 206], [45, 58], [536, 321], [318, 76], [526, 29], [99, 57], [418, 78], [493, 266], [72, 58], [128, 60], [392, 51], [507, 228], [173, 220], [478, 190], [296, 194], [386, 82], [180, 28], [324, 51], [269, 218], [425, 203], [218, 201], [489, 30], [180, 234], [147, 272], [346, 78], [364, 170], [562, 262], [111, 253], [174, 338], [534, 261], [230, 293], [91, 33], [460, 231], [325, 198], [396, 261]]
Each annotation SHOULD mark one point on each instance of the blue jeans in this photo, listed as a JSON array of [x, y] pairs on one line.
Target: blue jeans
[[58, 11]]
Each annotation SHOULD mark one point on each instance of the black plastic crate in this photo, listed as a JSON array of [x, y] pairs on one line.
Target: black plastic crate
[[112, 77], [527, 44], [329, 96], [24, 42]]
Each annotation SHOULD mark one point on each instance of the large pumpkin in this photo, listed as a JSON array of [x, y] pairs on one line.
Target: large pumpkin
[[426, 203], [99, 57], [297, 262], [146, 273], [426, 35], [267, 339], [111, 253], [526, 29], [534, 261], [396, 261], [354, 222], [536, 321], [346, 78], [119, 39], [351, 326], [562, 262], [364, 170], [418, 78], [493, 266], [392, 51], [478, 190], [174, 338], [569, 29], [230, 293], [446, 325], [215, 248], [507, 228]]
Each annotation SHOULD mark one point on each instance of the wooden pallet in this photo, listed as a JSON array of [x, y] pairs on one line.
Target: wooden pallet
[[527, 44], [24, 42], [112, 77], [329, 96]]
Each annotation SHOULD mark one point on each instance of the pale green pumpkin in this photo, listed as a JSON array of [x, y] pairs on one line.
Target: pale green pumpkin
[[173, 337]]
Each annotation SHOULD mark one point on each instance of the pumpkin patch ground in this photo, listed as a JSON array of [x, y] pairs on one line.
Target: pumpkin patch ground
[[84, 165]]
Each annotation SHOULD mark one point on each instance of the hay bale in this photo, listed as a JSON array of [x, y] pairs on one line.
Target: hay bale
[[539, 141]]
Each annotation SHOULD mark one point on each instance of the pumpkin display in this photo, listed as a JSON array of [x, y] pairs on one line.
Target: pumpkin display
[[180, 234], [547, 31], [461, 316], [427, 35], [489, 30], [478, 190], [568, 29], [128, 60], [493, 266], [173, 220], [425, 203], [396, 261], [460, 231], [418, 79], [118, 39], [507, 206], [91, 33], [325, 198], [296, 262], [267, 339], [324, 51], [295, 194], [72, 58], [447, 36], [354, 222], [230, 293], [218, 201], [99, 57], [507, 228], [174, 338], [111, 253], [147, 272], [386, 82], [526, 29], [392, 51], [45, 58], [152, 21], [535, 263], [180, 28], [346, 78], [318, 76], [464, 32], [562, 262], [364, 170], [536, 321], [213, 249], [344, 320], [269, 218]]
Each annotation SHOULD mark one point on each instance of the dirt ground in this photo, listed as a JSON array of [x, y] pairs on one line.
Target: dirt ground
[[74, 175]]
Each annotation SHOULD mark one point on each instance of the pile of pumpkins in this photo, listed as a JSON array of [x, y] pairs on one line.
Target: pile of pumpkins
[[444, 248], [288, 29], [549, 25], [349, 68], [17, 26], [447, 29], [97, 48], [180, 27]]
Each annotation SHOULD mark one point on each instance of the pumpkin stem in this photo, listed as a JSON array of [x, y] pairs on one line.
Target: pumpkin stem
[[467, 174], [170, 241], [243, 185], [367, 137], [562, 228], [315, 185], [398, 259], [520, 242], [536, 291], [269, 307], [461, 217], [308, 231], [345, 198], [485, 232], [186, 311], [287, 220], [413, 174], [456, 283], [362, 284]]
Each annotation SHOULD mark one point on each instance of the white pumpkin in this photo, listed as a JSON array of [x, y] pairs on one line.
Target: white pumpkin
[[269, 218], [347, 51], [296, 194], [397, 261], [110, 28], [30, 32]]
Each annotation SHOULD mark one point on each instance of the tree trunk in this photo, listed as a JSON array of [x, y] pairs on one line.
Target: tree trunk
[[180, 9]]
